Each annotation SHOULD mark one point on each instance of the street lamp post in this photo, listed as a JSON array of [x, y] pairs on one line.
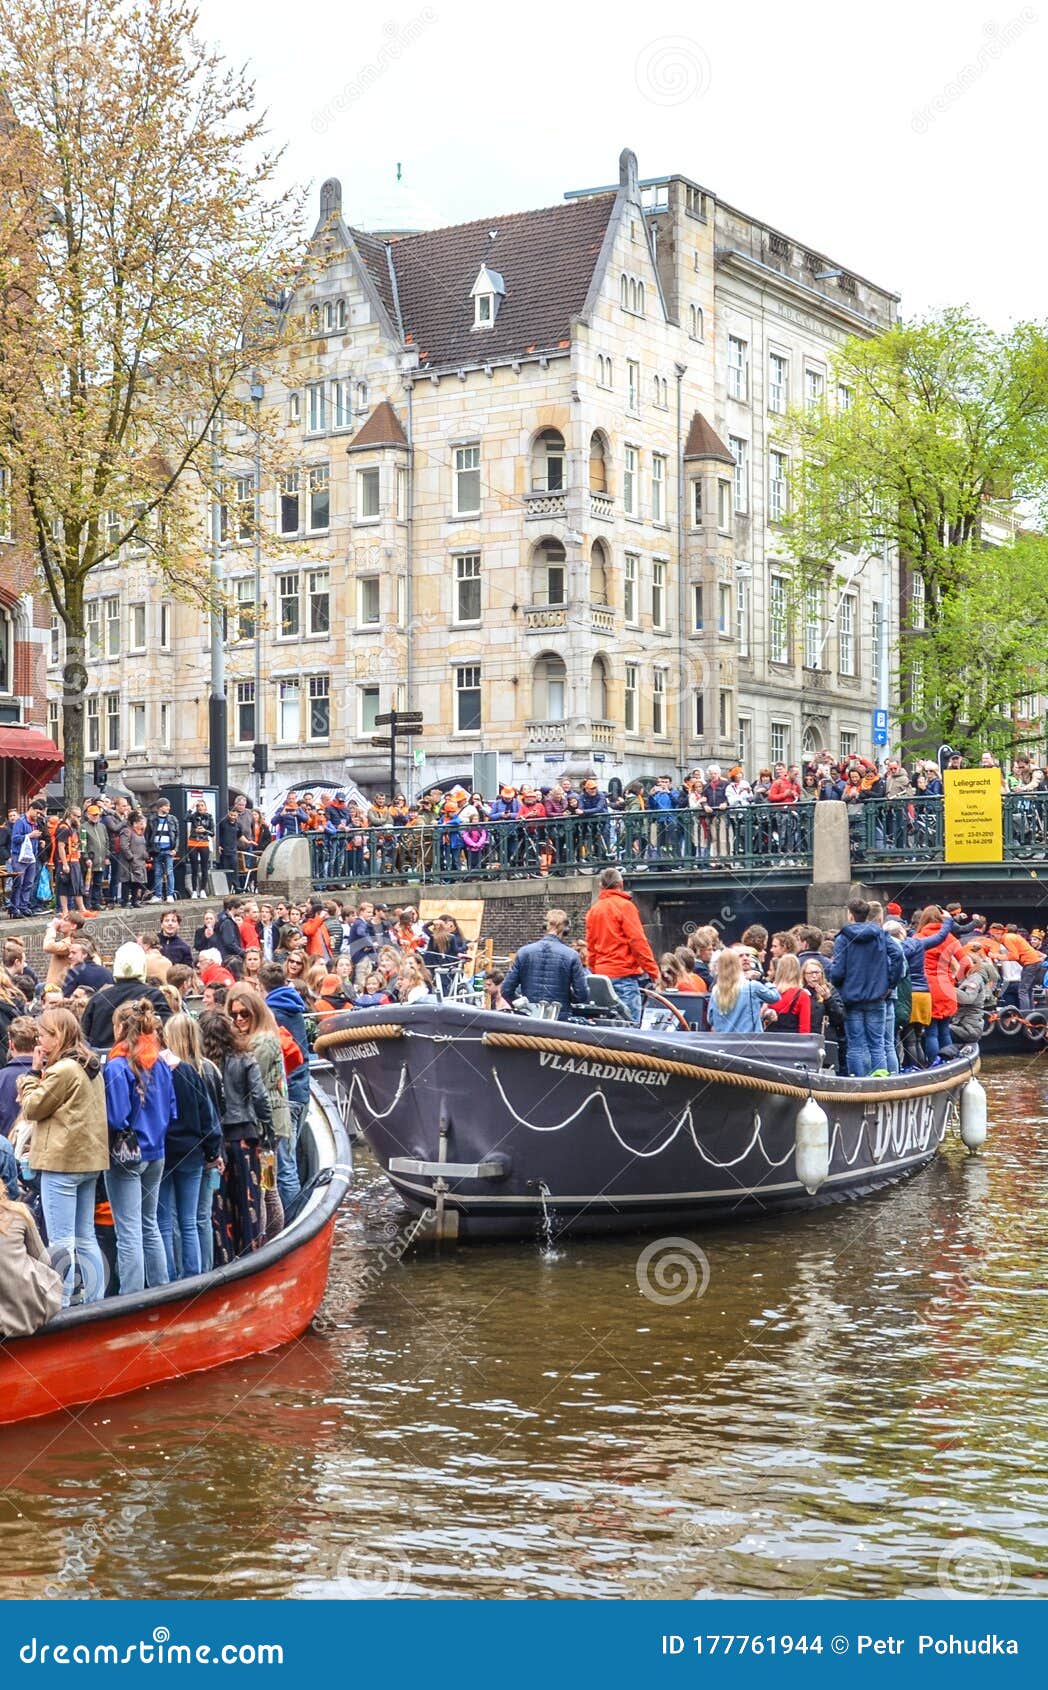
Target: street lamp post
[[217, 710]]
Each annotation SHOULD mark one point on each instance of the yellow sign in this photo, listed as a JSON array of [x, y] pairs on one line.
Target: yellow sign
[[972, 815]]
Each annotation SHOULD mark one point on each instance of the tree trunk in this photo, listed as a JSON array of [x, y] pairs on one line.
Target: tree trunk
[[74, 688]]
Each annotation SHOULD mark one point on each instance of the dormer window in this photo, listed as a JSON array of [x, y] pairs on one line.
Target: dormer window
[[487, 294]]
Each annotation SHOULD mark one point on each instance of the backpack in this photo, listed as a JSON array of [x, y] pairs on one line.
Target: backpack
[[789, 1020]]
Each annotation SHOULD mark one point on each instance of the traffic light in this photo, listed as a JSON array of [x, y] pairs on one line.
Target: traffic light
[[101, 772], [260, 761]]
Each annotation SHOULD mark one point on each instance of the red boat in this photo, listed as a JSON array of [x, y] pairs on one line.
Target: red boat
[[121, 1344]]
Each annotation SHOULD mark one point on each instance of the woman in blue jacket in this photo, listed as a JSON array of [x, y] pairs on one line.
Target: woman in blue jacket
[[140, 1096], [193, 1147], [735, 1003]]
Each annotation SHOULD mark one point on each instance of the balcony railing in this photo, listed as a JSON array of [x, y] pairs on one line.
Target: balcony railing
[[602, 619], [603, 733], [546, 733], [602, 507], [544, 505], [765, 836], [540, 618]]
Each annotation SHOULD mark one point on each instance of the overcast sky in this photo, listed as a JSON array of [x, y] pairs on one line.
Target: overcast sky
[[905, 140]]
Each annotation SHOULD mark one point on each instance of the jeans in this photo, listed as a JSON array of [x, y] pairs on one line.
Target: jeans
[[177, 1207], [890, 1052], [937, 1038], [205, 1231], [68, 1202], [140, 1256], [864, 1028], [288, 1182], [23, 888], [627, 990], [163, 874]]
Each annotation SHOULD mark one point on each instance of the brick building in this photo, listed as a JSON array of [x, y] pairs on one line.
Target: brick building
[[29, 757]]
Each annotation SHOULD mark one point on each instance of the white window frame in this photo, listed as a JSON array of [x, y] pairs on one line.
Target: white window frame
[[342, 402], [630, 699], [366, 584], [698, 606], [696, 323], [659, 710], [848, 743], [725, 505], [696, 502], [814, 387], [724, 712], [467, 680], [630, 479], [369, 490], [316, 407], [245, 610], [465, 467], [780, 742], [244, 701], [93, 630], [725, 611], [136, 613], [137, 735], [847, 636], [918, 601], [112, 619], [659, 594], [289, 487], [467, 582], [289, 708], [778, 619], [369, 705], [658, 487], [93, 727], [778, 485], [633, 386], [778, 382], [289, 592], [814, 625], [112, 716], [318, 493], [742, 617], [738, 368], [740, 451], [631, 589], [401, 490], [318, 687], [318, 597]]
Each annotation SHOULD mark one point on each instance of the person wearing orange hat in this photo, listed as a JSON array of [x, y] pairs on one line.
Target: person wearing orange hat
[[506, 837], [594, 803]]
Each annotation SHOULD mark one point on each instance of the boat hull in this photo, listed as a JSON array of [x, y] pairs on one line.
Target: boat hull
[[106, 1349], [606, 1130]]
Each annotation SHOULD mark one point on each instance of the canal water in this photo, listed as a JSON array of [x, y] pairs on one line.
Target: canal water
[[848, 1403]]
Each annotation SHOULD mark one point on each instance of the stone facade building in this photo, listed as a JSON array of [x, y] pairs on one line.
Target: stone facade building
[[537, 470]]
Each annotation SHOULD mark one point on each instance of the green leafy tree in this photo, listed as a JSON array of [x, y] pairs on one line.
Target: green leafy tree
[[142, 248], [944, 427]]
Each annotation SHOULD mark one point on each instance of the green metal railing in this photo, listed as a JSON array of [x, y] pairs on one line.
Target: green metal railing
[[912, 829], [758, 837]]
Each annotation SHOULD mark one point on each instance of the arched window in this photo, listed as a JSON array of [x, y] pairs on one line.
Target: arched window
[[599, 690], [809, 745], [549, 574], [598, 573], [695, 326], [547, 462], [549, 688], [598, 464], [294, 408], [362, 395], [314, 319], [640, 299], [624, 292]]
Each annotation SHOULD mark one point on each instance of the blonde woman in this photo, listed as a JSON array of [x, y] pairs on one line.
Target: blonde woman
[[63, 1097], [793, 1005], [735, 1003]]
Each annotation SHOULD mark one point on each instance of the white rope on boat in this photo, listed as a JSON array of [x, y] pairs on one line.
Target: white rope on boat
[[686, 1118], [357, 1084]]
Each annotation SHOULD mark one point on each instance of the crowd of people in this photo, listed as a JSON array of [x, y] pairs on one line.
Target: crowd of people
[[150, 1105]]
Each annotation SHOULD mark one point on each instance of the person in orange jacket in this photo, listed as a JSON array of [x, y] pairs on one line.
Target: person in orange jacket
[[618, 945], [1021, 965]]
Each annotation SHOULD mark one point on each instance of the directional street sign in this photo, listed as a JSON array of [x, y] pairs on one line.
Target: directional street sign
[[401, 719], [880, 727], [378, 740]]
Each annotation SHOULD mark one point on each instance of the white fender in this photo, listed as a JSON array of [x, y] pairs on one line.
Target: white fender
[[972, 1111], [812, 1146]]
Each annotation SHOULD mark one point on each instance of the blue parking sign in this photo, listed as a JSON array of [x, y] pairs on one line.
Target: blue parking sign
[[880, 727]]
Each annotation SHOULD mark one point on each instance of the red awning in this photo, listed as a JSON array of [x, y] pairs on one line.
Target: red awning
[[29, 745]]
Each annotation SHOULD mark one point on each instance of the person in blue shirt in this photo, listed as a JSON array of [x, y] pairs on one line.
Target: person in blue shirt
[[867, 964], [24, 868], [735, 1002], [140, 1095]]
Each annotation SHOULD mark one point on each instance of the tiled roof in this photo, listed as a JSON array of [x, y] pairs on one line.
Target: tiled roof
[[704, 441], [383, 428], [546, 257]]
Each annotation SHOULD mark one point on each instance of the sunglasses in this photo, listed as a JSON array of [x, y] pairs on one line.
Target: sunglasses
[[240, 1014]]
